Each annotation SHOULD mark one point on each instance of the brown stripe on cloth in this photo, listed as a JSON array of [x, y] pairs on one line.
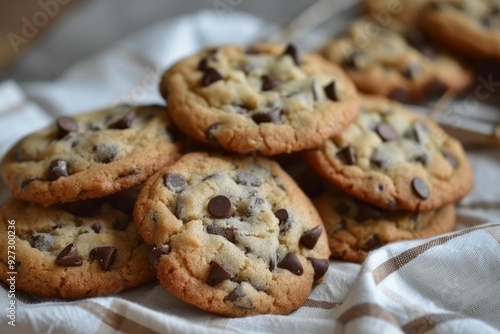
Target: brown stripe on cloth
[[428, 322], [113, 319], [367, 310], [323, 304], [388, 267]]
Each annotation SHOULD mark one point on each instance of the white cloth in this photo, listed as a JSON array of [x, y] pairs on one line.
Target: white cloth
[[448, 284]]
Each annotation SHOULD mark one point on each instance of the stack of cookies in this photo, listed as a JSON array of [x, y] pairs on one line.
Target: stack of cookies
[[224, 227]]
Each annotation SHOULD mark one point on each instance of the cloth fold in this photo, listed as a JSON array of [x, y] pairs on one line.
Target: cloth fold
[[445, 284]]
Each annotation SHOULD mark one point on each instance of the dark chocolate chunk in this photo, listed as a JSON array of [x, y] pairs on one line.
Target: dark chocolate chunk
[[310, 238], [210, 76], [400, 95], [282, 216], [372, 243], [366, 212], [123, 122], [209, 134], [273, 116], [417, 39], [65, 125], [105, 153], [106, 256], [292, 263], [203, 64], [96, 227], [69, 257], [217, 274], [272, 265], [269, 83], [331, 91], [420, 188], [386, 132], [220, 206], [58, 168], [239, 298], [28, 181], [292, 51], [320, 267], [347, 155], [175, 182], [157, 252], [451, 159]]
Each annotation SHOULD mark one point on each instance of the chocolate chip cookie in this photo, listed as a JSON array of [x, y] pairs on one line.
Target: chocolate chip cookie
[[232, 235], [390, 12], [355, 228], [266, 98], [79, 249], [383, 62], [471, 27], [395, 159], [91, 155]]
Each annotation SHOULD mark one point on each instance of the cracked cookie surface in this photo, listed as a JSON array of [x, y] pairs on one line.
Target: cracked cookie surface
[[384, 62], [232, 235], [395, 159], [266, 98], [80, 249], [91, 155], [471, 27]]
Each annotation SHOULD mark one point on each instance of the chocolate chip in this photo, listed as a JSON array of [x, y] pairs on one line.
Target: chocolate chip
[[69, 257], [342, 208], [420, 188], [105, 153], [209, 134], [269, 83], [310, 238], [217, 274], [157, 252], [96, 227], [292, 263], [366, 212], [400, 95], [331, 91], [320, 267], [292, 51], [249, 179], [106, 256], [386, 132], [282, 216], [435, 89], [220, 206], [174, 134], [239, 298], [271, 265], [65, 125], [210, 76], [123, 122], [227, 233], [203, 64], [372, 243], [175, 182], [451, 159], [378, 163], [347, 155], [28, 181], [273, 116], [58, 168], [412, 71]]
